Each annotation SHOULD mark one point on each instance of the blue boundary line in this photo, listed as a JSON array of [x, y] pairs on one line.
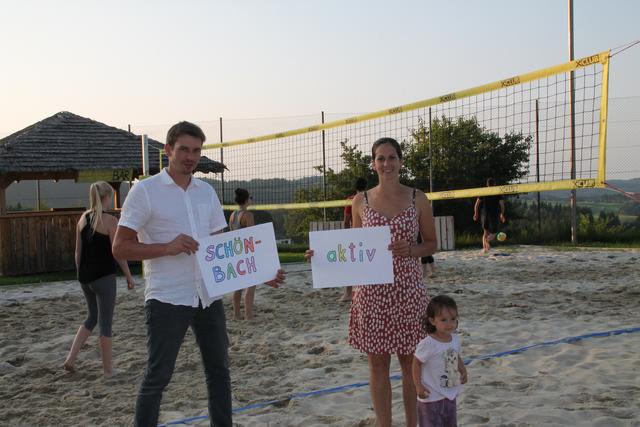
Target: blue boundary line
[[567, 340]]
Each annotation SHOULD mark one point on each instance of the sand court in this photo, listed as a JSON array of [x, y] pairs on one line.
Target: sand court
[[296, 347]]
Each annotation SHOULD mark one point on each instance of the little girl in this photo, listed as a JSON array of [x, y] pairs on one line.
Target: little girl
[[438, 368]]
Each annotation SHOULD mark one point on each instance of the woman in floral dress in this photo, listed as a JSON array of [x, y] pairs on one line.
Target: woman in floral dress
[[385, 319]]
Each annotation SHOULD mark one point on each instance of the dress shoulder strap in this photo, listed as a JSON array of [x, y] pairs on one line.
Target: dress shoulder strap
[[366, 198], [414, 197]]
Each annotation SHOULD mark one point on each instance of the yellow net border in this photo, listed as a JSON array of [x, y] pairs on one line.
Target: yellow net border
[[599, 182]]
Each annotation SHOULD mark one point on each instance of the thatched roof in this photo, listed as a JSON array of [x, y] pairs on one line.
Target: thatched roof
[[62, 145]]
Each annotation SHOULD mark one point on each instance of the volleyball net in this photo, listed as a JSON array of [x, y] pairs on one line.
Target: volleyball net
[[529, 117]]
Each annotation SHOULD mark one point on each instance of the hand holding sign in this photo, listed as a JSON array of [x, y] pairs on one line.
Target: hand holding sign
[[275, 283], [182, 243], [400, 248]]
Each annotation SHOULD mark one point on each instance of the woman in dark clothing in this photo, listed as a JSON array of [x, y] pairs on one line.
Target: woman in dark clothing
[[97, 274], [242, 218], [490, 210]]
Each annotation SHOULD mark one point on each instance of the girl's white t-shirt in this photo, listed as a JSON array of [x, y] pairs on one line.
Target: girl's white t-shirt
[[440, 373]]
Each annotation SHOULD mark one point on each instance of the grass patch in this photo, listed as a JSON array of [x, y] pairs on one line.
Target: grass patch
[[468, 240], [293, 247], [627, 219], [287, 257], [38, 278], [58, 276], [596, 245], [136, 270]]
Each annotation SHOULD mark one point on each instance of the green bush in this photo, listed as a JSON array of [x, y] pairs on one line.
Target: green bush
[[293, 248]]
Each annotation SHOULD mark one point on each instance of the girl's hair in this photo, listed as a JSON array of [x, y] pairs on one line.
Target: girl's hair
[[435, 307], [98, 191], [382, 141], [241, 196]]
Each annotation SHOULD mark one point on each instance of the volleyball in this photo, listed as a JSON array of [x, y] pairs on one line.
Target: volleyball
[[501, 236]]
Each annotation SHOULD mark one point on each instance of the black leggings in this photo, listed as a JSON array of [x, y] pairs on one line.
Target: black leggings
[[427, 259], [101, 300]]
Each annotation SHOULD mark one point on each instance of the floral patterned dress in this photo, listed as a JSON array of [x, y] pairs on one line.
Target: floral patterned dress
[[387, 318]]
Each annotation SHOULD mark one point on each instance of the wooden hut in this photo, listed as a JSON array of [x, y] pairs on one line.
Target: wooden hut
[[65, 146]]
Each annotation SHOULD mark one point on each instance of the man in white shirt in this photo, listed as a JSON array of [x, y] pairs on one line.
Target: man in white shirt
[[161, 219]]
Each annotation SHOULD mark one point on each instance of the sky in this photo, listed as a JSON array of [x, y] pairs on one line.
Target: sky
[[149, 64]]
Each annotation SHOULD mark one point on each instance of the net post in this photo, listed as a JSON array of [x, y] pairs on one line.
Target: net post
[[538, 167], [430, 160], [430, 157], [221, 161], [145, 154], [604, 110], [324, 171], [572, 102]]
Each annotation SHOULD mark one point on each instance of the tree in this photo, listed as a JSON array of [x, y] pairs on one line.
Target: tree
[[463, 155], [630, 208], [339, 186], [296, 223], [356, 165]]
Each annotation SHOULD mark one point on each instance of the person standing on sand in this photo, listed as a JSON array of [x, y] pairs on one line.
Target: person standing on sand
[[490, 210], [428, 263], [97, 274], [385, 319], [238, 219], [161, 219], [438, 367]]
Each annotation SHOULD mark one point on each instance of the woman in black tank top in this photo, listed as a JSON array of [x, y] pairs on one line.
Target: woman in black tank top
[[97, 274]]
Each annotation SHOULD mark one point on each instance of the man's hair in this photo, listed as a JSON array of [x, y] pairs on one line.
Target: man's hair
[[184, 128], [361, 184], [491, 182]]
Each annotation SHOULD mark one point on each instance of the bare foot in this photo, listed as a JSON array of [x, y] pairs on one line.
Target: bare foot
[[68, 366]]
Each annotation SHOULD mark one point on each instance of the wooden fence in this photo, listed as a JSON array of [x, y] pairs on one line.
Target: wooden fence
[[41, 242], [445, 233], [444, 230], [37, 242], [325, 225]]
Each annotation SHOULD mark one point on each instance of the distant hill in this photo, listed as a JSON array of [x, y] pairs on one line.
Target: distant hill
[[630, 185], [61, 194], [66, 193]]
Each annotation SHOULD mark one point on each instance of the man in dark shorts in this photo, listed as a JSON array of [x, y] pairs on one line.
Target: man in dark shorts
[[490, 210]]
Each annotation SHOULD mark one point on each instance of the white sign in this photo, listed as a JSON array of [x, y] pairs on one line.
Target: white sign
[[353, 256], [238, 259]]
